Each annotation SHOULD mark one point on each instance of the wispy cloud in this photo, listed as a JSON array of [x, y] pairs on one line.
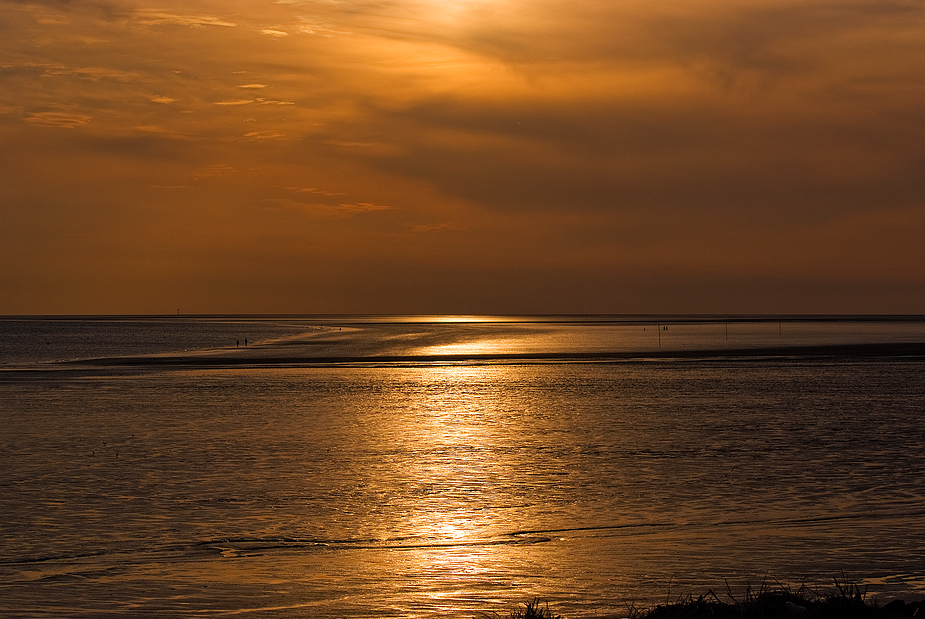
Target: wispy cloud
[[52, 20], [64, 120], [152, 17], [438, 227], [273, 102], [337, 209], [94, 73], [315, 191], [161, 132], [362, 207], [234, 102], [215, 170], [162, 99], [264, 135], [97, 6], [322, 30]]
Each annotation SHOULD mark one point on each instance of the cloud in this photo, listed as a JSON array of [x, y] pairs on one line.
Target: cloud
[[94, 73], [315, 191], [96, 6], [264, 135], [338, 209], [215, 170], [52, 20], [362, 207], [354, 144], [762, 34], [152, 17], [774, 111], [439, 227], [63, 120], [324, 30], [273, 102], [157, 130], [589, 137]]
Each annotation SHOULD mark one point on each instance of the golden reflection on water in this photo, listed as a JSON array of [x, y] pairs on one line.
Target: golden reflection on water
[[489, 336], [455, 426], [483, 346], [400, 491], [510, 338]]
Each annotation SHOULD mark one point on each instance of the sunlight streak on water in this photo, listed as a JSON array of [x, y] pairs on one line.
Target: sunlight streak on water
[[596, 338]]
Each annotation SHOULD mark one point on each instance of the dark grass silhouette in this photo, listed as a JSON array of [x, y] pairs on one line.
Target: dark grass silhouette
[[845, 601], [534, 610], [531, 610]]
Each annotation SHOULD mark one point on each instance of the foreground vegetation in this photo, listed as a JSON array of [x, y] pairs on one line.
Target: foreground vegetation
[[780, 602]]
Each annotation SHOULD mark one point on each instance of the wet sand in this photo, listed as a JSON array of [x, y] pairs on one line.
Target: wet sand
[[308, 356], [350, 341]]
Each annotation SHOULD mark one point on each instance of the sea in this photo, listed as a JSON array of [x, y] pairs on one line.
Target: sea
[[454, 466]]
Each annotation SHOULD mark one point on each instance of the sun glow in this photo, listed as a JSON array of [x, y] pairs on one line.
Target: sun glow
[[459, 318]]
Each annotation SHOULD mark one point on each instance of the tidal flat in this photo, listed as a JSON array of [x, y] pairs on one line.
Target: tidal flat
[[399, 467]]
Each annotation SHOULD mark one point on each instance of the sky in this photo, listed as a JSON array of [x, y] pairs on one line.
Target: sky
[[462, 156]]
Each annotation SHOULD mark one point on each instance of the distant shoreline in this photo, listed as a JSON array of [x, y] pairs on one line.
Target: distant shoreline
[[894, 349], [138, 342], [628, 319]]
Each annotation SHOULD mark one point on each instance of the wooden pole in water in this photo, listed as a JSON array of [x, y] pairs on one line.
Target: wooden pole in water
[[659, 336]]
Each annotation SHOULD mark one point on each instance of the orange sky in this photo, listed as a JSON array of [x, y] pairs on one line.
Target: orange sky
[[462, 156]]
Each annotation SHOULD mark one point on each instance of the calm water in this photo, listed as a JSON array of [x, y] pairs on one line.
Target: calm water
[[417, 488]]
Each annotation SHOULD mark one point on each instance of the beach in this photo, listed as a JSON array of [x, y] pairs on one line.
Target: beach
[[360, 467]]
